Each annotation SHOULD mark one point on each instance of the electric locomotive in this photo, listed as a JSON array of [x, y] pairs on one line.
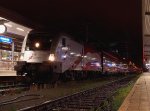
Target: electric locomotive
[[52, 55]]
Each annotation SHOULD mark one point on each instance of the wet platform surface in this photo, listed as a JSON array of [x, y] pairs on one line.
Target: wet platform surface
[[139, 97]]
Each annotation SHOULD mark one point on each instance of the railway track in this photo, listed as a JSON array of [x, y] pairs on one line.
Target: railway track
[[96, 98], [10, 88], [20, 99]]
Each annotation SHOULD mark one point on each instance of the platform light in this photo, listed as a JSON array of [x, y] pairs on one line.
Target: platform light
[[37, 44], [24, 74], [108, 64], [65, 48], [7, 24], [93, 58], [72, 53], [64, 56], [84, 56], [78, 55], [20, 29], [113, 64], [51, 57], [2, 29], [96, 64]]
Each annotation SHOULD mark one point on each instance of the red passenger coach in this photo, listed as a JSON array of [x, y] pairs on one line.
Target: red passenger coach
[[91, 59]]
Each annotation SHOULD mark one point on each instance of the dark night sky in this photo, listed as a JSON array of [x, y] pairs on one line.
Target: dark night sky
[[108, 21]]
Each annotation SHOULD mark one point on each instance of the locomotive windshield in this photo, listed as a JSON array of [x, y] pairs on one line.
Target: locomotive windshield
[[39, 42]]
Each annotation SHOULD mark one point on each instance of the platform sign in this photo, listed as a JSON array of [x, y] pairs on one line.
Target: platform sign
[[4, 39]]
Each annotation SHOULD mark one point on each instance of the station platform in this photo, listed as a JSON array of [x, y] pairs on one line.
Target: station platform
[[7, 73], [139, 97]]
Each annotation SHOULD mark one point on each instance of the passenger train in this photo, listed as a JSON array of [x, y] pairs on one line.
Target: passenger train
[[54, 55]]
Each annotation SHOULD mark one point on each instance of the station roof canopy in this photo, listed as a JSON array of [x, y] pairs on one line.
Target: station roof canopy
[[14, 28]]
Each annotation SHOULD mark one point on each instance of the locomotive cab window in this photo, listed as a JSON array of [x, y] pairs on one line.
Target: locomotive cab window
[[63, 42], [39, 42]]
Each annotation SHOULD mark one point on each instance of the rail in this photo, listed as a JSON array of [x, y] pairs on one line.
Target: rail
[[85, 100]]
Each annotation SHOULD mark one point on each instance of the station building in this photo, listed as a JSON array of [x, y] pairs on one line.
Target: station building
[[11, 43], [146, 33]]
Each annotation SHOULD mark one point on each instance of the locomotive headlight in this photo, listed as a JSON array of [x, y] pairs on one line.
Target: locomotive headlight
[[37, 44], [51, 57]]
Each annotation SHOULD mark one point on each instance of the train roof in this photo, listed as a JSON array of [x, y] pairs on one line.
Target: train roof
[[54, 35]]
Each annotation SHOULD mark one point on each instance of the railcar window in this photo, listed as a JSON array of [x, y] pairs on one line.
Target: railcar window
[[43, 41]]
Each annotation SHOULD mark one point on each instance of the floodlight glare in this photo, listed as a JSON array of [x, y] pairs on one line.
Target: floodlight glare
[[37, 45]]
